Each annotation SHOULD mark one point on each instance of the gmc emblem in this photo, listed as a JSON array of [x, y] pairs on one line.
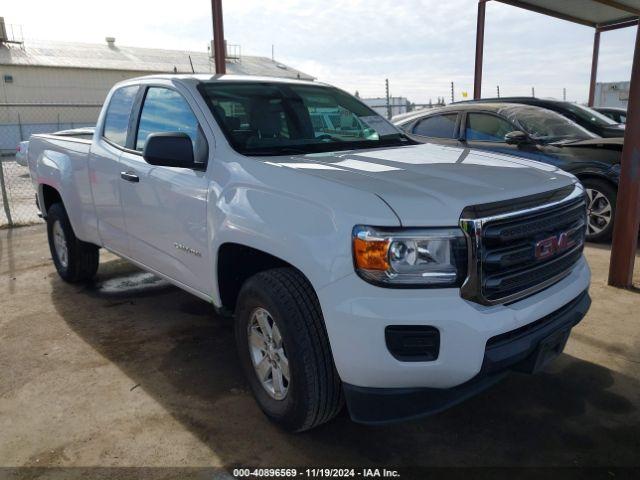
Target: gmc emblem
[[553, 245]]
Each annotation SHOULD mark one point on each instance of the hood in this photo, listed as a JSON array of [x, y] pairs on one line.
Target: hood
[[428, 184], [616, 142], [614, 130]]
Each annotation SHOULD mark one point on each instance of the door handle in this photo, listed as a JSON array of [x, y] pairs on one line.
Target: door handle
[[129, 177]]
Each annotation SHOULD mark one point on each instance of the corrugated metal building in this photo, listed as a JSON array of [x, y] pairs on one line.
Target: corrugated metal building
[[48, 86], [612, 94]]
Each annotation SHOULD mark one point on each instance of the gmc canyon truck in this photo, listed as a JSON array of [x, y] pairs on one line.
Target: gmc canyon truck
[[365, 268]]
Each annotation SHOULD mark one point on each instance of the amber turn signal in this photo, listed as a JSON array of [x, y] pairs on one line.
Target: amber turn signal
[[371, 254]]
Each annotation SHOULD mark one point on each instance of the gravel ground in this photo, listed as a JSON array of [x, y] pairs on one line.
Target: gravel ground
[[20, 193], [132, 372]]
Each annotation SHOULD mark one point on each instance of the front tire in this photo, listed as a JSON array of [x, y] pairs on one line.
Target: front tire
[[75, 260], [601, 209], [285, 352]]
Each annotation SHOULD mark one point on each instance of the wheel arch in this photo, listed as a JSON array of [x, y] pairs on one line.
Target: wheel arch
[[48, 195], [236, 263], [582, 176]]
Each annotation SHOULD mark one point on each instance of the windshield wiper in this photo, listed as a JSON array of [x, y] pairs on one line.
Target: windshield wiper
[[276, 151]]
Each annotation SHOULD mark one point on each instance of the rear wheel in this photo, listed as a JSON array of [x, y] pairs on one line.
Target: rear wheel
[[601, 207], [284, 350], [75, 260]]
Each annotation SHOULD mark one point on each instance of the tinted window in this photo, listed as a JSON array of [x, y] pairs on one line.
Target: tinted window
[[282, 118], [116, 120], [544, 125], [589, 115], [487, 128], [165, 110], [440, 126]]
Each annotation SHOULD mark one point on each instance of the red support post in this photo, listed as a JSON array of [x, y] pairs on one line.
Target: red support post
[[594, 67], [219, 53], [627, 219], [477, 82]]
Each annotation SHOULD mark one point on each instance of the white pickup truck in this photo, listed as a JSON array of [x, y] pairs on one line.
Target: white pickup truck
[[362, 268]]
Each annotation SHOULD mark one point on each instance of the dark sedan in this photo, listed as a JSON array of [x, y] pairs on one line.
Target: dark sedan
[[536, 134], [586, 117]]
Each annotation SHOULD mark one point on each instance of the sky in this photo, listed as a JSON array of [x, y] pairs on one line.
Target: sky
[[421, 46]]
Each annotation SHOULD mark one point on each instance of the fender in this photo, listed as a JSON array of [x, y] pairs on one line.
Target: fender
[[296, 224], [62, 165]]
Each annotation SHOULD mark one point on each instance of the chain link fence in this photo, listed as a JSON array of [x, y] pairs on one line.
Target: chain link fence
[[17, 123]]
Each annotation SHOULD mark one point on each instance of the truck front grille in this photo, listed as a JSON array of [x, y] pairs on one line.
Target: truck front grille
[[514, 254]]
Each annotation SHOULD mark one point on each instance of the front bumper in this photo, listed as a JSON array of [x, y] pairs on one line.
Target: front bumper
[[357, 313], [515, 350]]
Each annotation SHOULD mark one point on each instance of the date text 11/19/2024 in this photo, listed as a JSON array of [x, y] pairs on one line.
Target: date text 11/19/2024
[[315, 473]]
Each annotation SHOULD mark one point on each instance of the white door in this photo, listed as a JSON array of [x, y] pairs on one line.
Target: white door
[[104, 170], [165, 208]]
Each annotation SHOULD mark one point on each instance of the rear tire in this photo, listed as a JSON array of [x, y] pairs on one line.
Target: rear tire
[[75, 260], [601, 209], [311, 393]]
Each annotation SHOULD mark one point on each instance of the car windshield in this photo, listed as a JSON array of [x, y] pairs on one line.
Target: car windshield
[[546, 126], [277, 118], [590, 115]]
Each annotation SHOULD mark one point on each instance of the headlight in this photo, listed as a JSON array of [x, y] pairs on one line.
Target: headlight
[[433, 257]]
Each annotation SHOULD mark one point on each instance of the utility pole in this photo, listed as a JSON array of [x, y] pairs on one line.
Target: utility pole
[[564, 94], [386, 83], [498, 89], [219, 53], [273, 53], [453, 99], [533, 92]]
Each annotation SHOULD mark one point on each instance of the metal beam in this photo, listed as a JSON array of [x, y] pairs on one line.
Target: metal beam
[[594, 67], [619, 6], [605, 27], [627, 219], [546, 11], [477, 79], [219, 53]]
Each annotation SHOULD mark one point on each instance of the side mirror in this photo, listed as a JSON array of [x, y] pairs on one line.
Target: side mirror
[[169, 149], [516, 137]]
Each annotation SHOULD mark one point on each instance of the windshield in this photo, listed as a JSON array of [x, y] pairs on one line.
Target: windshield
[[546, 126], [270, 118], [590, 115]]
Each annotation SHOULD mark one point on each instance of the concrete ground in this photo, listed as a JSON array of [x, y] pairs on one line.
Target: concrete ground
[[131, 371]]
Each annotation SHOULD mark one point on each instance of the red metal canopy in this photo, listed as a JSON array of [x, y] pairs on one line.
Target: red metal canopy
[[602, 15]]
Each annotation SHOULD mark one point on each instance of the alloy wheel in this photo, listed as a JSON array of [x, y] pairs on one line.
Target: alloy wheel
[[60, 244], [599, 212], [267, 352]]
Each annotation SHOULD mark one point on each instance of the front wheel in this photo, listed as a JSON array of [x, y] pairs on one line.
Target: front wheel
[[601, 209], [284, 350], [75, 260]]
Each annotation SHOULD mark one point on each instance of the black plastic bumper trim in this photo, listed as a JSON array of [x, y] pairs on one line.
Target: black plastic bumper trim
[[503, 354]]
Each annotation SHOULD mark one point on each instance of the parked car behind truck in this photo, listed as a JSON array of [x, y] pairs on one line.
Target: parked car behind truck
[[537, 134], [586, 117], [398, 277]]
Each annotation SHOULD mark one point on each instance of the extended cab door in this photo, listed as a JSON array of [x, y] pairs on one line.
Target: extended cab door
[[104, 168], [165, 208]]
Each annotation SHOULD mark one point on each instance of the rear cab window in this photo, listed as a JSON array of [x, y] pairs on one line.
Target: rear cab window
[[116, 122]]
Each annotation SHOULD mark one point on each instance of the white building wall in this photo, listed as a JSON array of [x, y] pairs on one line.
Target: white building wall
[[612, 94], [84, 90]]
